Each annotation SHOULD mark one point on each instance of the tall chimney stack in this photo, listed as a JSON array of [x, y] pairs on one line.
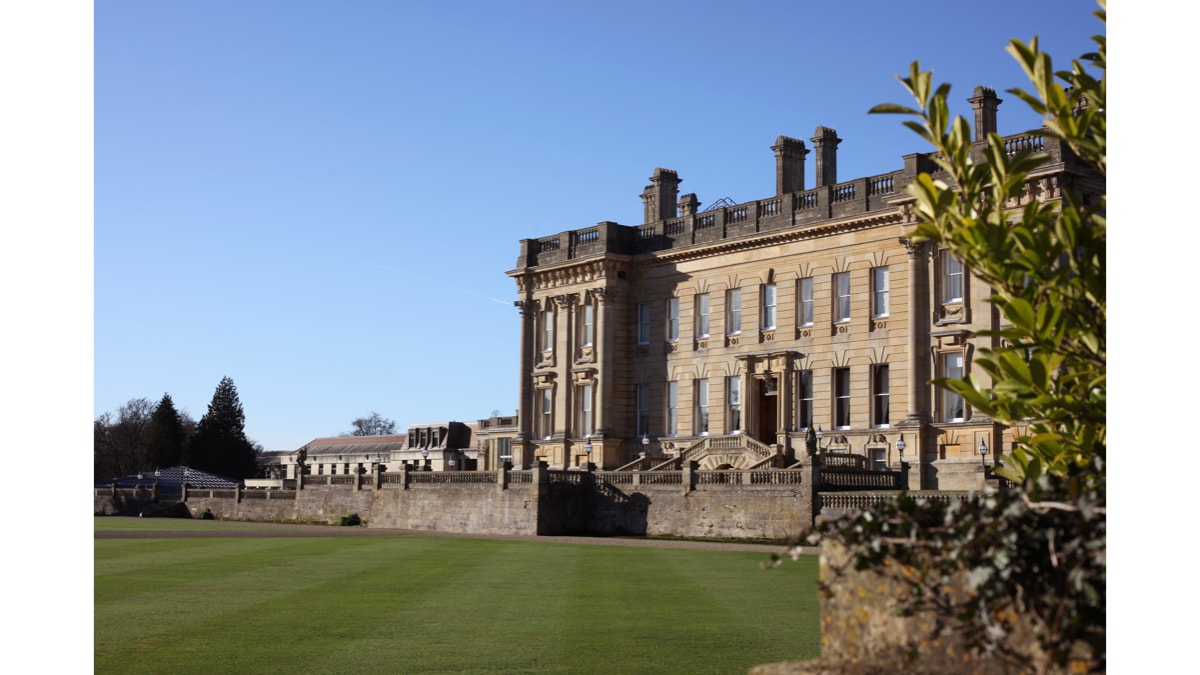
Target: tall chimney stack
[[789, 165], [984, 102], [660, 197], [825, 142]]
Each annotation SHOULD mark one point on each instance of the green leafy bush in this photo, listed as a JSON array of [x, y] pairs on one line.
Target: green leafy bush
[[351, 520], [207, 515], [1032, 557]]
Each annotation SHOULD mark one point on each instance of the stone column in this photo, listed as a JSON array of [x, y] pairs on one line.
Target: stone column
[[783, 388], [564, 358], [605, 351], [525, 409], [919, 318]]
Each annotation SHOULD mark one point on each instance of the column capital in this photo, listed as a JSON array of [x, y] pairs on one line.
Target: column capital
[[567, 300], [604, 295]]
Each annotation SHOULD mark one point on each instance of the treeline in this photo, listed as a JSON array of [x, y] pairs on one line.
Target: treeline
[[143, 436]]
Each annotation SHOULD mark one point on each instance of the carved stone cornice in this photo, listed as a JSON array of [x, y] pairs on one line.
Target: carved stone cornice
[[778, 237], [571, 273], [526, 307], [916, 249]]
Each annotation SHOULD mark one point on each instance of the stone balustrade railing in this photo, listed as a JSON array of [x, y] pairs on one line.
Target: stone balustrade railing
[[806, 208], [859, 479]]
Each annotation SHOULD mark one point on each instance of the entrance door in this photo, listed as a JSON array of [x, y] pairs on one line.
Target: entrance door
[[768, 413]]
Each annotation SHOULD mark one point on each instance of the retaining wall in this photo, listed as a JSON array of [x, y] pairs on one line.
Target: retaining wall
[[564, 503]]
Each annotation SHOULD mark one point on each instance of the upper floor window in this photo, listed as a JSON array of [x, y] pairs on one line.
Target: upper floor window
[[587, 327], [879, 395], [672, 319], [702, 315], [548, 328], [768, 306], [804, 302], [879, 291], [841, 297], [951, 277], [733, 311], [643, 323]]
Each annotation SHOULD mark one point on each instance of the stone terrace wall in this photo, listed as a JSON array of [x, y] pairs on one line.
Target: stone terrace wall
[[457, 508], [774, 512], [553, 503]]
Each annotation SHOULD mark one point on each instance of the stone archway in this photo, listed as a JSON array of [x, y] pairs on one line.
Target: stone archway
[[726, 461]]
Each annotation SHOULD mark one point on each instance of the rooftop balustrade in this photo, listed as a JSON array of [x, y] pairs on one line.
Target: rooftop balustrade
[[807, 208]]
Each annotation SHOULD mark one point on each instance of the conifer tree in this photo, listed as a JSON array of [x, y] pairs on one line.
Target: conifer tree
[[166, 436], [220, 445]]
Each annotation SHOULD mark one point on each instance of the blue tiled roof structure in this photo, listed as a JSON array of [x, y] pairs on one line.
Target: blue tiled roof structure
[[171, 478]]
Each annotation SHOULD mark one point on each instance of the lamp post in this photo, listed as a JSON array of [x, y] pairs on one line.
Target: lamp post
[[451, 463], [186, 474], [983, 453], [587, 448], [645, 444], [900, 445], [425, 457]]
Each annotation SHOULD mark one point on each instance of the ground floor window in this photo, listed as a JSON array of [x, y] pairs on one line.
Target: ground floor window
[[733, 416], [701, 421], [879, 395], [546, 414], [841, 398], [804, 400], [951, 404]]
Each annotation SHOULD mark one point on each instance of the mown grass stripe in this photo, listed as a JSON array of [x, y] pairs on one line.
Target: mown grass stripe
[[430, 604]]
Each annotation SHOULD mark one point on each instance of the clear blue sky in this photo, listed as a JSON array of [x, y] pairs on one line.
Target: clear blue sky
[[320, 199]]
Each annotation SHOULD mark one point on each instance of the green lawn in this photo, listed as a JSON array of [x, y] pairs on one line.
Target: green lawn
[[441, 605]]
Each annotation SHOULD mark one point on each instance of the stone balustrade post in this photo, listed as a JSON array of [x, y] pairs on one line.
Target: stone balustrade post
[[689, 476], [404, 476]]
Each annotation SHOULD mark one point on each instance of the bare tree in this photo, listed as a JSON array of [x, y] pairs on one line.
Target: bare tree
[[121, 442], [372, 425]]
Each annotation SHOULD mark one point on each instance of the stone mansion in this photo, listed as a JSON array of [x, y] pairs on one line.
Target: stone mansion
[[722, 335]]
